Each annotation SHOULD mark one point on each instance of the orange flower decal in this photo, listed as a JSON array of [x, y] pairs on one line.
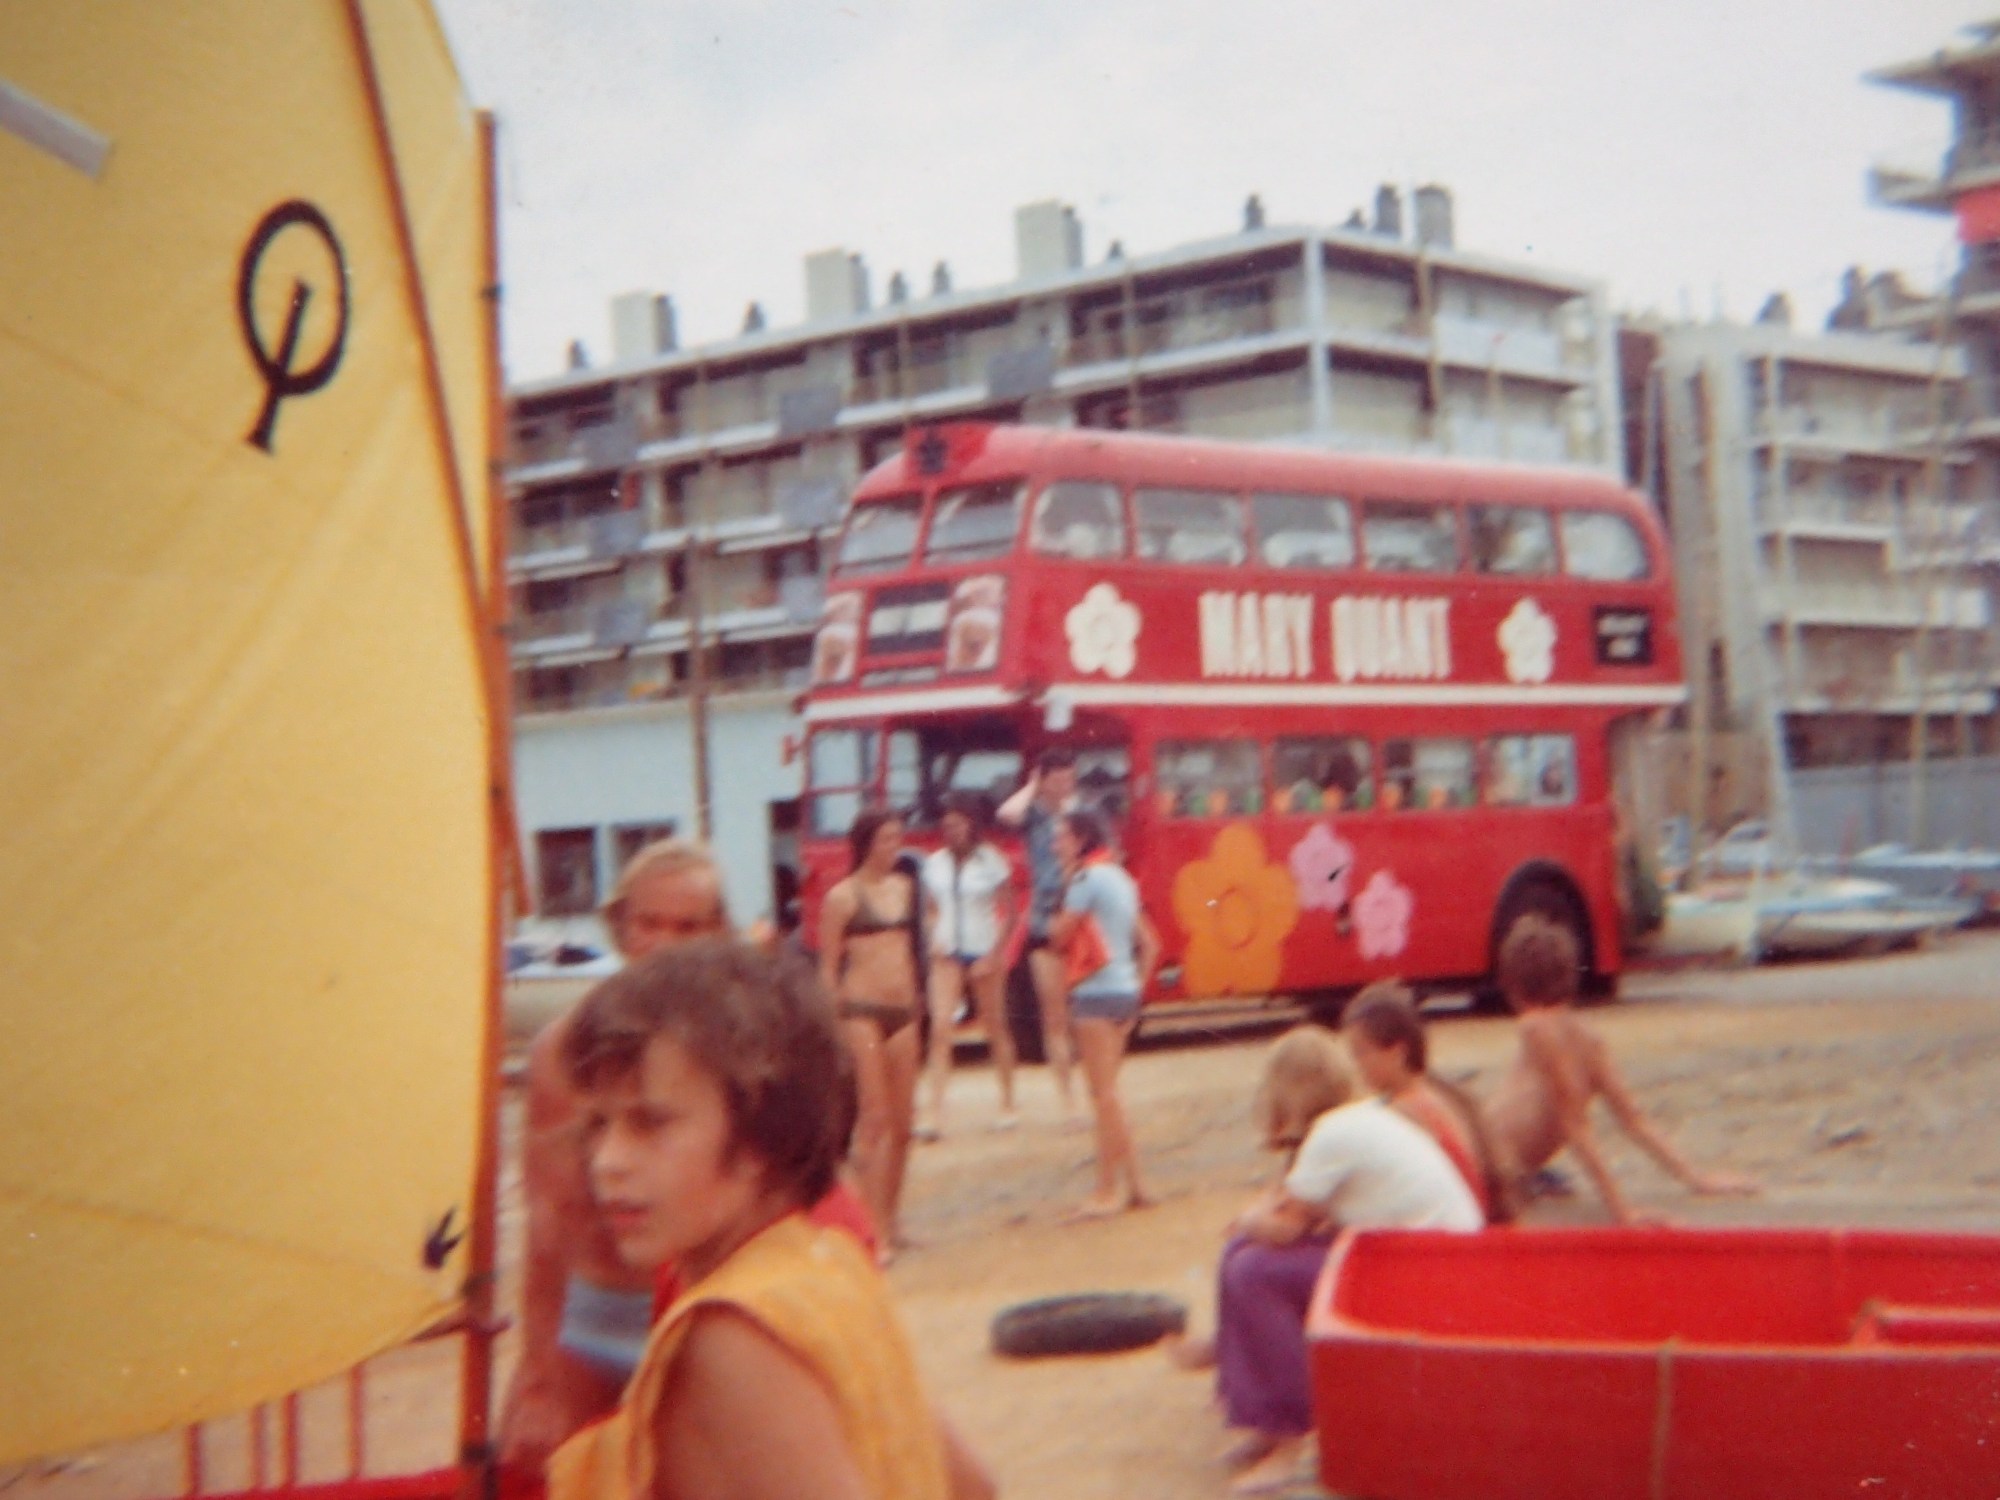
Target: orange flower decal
[[1237, 909]]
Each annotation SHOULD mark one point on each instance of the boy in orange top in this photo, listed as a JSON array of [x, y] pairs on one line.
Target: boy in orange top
[[717, 1098], [584, 1312], [1543, 1103]]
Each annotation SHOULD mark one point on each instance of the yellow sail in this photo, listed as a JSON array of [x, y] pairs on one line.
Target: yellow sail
[[244, 751]]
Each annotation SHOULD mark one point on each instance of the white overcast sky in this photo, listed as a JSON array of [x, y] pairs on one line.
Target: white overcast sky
[[1691, 153]]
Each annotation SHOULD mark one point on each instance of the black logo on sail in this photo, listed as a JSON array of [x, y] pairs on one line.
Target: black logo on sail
[[282, 378]]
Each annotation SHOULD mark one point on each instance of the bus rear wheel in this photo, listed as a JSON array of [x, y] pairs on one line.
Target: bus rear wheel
[[1554, 903]]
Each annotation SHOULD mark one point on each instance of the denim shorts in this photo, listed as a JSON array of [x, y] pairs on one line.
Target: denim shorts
[[1119, 1008]]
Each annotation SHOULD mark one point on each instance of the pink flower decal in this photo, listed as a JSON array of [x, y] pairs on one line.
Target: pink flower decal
[[1382, 915], [1322, 865]]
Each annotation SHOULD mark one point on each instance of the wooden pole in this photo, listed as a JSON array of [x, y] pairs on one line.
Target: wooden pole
[[695, 554], [476, 1472]]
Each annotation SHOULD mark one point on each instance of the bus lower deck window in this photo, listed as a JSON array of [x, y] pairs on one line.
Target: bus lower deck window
[[1530, 770], [1208, 778], [1322, 774], [1426, 775]]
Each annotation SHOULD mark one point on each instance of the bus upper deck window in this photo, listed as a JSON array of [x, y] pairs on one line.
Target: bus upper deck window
[[1303, 531], [1512, 539], [880, 535], [1406, 536], [1078, 518], [1597, 544], [1189, 526], [974, 523]]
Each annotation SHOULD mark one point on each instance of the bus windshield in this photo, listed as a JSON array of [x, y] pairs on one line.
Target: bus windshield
[[975, 523], [880, 536]]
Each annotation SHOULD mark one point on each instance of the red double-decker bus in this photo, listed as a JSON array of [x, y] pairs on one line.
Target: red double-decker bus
[[1350, 716]]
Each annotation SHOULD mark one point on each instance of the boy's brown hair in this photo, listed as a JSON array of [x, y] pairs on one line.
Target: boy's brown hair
[[1305, 1076], [758, 1023], [1386, 1013], [1538, 963]]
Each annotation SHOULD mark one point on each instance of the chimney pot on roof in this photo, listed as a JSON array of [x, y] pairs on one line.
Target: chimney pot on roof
[[1048, 239], [1253, 212], [1389, 211], [753, 318], [899, 289], [1431, 206], [642, 326], [836, 286], [940, 279], [579, 357]]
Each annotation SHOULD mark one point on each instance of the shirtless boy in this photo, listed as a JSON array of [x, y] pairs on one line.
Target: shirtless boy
[[1543, 1102]]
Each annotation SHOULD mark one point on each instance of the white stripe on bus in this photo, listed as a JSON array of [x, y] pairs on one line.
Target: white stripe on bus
[[1259, 695], [1330, 695]]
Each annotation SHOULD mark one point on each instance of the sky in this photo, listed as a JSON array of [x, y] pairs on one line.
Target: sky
[[1695, 155]]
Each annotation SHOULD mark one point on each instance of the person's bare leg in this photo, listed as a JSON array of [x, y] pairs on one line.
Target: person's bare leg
[[902, 1059], [1045, 967], [1100, 1047], [946, 990], [871, 1121], [989, 994]]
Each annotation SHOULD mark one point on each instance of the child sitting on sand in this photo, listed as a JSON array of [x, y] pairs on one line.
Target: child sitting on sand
[[1353, 1165], [1385, 1034], [716, 1092], [1543, 1102]]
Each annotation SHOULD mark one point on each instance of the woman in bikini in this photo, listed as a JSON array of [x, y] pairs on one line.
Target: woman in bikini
[[868, 963]]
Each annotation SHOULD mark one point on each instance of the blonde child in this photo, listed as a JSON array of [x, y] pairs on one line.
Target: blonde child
[[1351, 1164], [717, 1095]]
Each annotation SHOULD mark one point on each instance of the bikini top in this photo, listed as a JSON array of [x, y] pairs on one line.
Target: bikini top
[[866, 921]]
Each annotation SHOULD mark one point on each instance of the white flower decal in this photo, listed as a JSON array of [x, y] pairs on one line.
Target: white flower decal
[[1103, 632], [1528, 637]]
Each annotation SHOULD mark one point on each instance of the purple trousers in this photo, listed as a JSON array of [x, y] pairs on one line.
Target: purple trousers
[[1261, 1370]]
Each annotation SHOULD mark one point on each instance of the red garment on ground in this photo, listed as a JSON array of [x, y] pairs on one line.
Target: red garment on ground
[[840, 1209]]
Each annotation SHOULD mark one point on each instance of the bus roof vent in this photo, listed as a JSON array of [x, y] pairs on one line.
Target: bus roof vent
[[944, 446]]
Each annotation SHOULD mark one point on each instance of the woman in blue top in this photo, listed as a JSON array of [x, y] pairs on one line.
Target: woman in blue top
[[1104, 1003]]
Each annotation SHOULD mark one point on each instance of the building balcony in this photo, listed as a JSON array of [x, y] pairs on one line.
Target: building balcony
[[1529, 353], [1837, 518], [594, 625], [1858, 605], [1164, 329]]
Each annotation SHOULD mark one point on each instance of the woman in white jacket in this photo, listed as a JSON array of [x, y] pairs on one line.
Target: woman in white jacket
[[969, 912]]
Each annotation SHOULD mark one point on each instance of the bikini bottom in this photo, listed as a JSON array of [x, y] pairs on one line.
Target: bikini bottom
[[888, 1019]]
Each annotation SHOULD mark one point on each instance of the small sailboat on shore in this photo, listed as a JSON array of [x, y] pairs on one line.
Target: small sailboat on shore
[[254, 763]]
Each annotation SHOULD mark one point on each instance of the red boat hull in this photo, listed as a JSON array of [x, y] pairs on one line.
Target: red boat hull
[[1658, 1364]]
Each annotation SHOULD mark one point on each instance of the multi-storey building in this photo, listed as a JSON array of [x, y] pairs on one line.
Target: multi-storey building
[[669, 510], [1808, 481]]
